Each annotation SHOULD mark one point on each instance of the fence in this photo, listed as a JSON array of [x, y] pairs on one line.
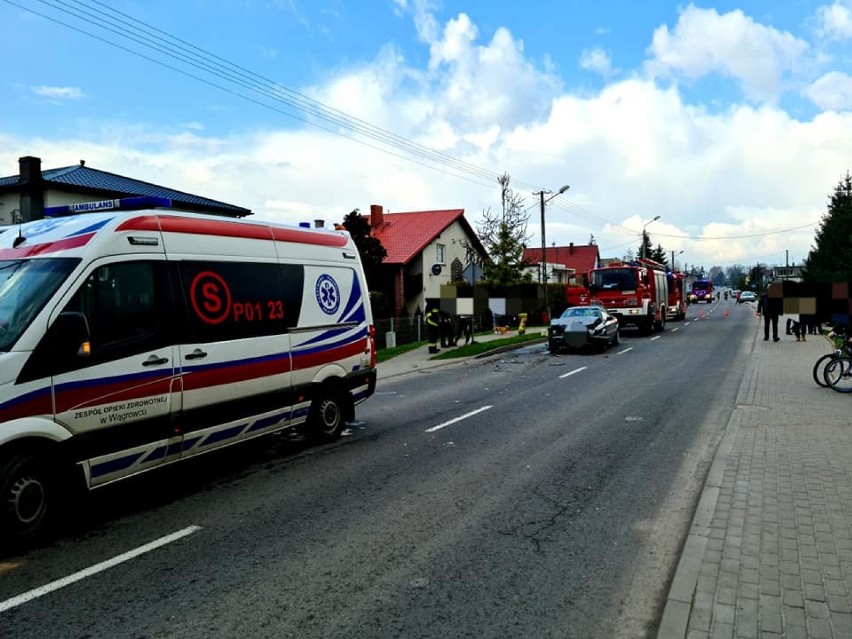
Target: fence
[[405, 330], [402, 331]]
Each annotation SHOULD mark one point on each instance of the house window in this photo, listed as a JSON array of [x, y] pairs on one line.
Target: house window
[[456, 270], [440, 249]]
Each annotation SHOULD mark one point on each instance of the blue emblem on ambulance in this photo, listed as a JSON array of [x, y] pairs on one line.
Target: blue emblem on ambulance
[[328, 294]]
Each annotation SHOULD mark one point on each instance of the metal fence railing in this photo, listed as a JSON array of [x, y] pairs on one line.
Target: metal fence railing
[[403, 330]]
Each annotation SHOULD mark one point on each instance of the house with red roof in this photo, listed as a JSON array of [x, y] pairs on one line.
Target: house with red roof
[[565, 264], [425, 250]]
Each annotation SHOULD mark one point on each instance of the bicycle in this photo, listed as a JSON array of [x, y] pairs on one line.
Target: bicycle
[[843, 348]]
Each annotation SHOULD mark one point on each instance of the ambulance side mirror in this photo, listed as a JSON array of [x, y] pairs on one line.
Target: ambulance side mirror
[[71, 334]]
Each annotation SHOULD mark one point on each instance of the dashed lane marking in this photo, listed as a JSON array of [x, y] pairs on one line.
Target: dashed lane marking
[[655, 337], [457, 419], [93, 570], [626, 350], [576, 370]]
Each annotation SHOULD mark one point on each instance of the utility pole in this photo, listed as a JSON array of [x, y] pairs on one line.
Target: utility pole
[[541, 195], [543, 251]]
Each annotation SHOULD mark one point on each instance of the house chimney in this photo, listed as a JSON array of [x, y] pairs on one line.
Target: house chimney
[[377, 216], [571, 248], [318, 224], [30, 170], [32, 188]]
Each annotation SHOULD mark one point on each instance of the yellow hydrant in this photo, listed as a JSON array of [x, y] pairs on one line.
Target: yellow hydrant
[[522, 325]]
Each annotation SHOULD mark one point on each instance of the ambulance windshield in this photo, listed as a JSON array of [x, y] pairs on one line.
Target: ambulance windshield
[[25, 287]]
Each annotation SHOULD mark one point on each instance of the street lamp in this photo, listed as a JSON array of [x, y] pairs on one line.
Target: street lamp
[[673, 256], [541, 194], [642, 248]]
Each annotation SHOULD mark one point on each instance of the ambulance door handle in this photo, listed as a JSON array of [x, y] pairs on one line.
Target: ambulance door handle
[[153, 360], [196, 354]]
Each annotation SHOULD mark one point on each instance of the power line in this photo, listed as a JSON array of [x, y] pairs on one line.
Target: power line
[[99, 15]]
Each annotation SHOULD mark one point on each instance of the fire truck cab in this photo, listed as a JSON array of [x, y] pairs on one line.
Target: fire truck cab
[[635, 292]]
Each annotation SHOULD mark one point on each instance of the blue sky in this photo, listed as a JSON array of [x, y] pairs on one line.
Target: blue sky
[[730, 120]]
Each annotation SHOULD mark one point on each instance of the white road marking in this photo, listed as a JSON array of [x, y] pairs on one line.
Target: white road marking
[[456, 419], [626, 350], [655, 337], [688, 323], [93, 570], [576, 370], [674, 330]]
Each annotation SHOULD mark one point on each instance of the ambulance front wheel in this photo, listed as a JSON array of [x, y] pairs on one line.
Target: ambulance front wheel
[[26, 496], [328, 415]]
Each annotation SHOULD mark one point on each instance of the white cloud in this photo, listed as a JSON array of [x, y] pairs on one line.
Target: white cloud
[[832, 92], [596, 60], [59, 93], [834, 21], [733, 45]]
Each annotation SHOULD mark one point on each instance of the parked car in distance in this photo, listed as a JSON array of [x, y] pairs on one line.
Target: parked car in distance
[[747, 296], [581, 327]]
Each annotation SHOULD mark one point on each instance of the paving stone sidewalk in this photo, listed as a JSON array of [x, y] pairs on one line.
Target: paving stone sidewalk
[[769, 553]]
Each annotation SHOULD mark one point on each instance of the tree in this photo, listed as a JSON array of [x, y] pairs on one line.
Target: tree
[[369, 248], [716, 275], [504, 237], [735, 273], [659, 255], [645, 248], [830, 259]]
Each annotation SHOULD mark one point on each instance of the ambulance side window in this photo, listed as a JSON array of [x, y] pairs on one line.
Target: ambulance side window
[[127, 307], [239, 300]]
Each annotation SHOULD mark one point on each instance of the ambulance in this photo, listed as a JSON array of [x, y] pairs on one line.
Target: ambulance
[[133, 335]]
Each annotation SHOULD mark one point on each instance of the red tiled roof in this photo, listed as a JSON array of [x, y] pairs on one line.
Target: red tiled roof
[[405, 235], [581, 258]]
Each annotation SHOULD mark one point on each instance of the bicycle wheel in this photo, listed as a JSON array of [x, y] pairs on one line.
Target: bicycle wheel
[[838, 374], [819, 368]]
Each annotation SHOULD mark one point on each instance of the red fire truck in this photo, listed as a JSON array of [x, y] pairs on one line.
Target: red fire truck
[[677, 296], [636, 293]]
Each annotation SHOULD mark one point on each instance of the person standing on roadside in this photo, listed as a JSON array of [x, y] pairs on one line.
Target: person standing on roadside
[[768, 308], [433, 328]]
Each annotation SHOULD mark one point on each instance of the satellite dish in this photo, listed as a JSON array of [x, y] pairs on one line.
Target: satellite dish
[[436, 269]]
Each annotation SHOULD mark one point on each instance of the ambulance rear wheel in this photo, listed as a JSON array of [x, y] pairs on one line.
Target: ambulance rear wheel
[[26, 497], [327, 416]]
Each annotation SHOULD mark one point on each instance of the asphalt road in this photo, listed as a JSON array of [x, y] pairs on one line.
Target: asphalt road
[[555, 505]]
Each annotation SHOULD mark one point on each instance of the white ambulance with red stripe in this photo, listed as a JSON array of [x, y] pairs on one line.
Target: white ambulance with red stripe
[[134, 339]]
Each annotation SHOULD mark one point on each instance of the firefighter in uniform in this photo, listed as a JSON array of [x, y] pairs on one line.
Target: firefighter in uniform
[[433, 327]]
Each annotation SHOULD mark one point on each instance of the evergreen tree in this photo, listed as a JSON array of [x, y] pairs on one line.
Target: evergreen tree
[[645, 248], [659, 255], [504, 237], [830, 259], [369, 248]]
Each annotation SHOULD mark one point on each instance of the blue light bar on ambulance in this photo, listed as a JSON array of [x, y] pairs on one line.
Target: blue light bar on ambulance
[[122, 204]]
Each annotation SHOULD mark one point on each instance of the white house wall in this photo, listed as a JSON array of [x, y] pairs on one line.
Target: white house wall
[[453, 239], [8, 203]]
